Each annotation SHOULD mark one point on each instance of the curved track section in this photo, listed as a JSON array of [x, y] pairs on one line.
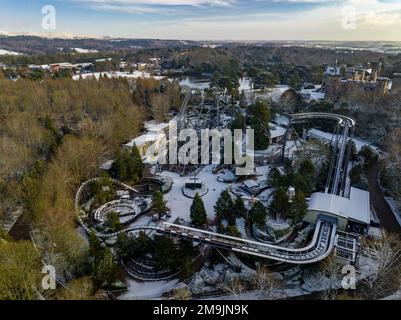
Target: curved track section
[[339, 163], [320, 247]]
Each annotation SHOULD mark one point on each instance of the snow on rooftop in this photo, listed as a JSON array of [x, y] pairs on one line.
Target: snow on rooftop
[[158, 127], [251, 184], [328, 136], [145, 138], [282, 120], [276, 131], [357, 207], [107, 165]]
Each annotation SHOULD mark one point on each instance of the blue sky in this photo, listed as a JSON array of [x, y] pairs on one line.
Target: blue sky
[[212, 19]]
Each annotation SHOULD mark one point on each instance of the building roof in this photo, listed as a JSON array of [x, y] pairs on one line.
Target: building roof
[[276, 131], [107, 165], [251, 184], [158, 127], [356, 208], [145, 138]]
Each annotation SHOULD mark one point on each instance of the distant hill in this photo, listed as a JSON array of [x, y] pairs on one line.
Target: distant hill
[[33, 45]]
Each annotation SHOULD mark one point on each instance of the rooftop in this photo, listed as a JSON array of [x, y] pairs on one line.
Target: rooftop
[[276, 131], [158, 127], [356, 208], [145, 138]]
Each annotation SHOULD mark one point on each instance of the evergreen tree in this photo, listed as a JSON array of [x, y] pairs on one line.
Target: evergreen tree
[[123, 245], [355, 174], [198, 212], [243, 103], [307, 173], [94, 244], [113, 221], [239, 208], [233, 231], [258, 118], [127, 166], [118, 169], [275, 178], [298, 207], [159, 205], [280, 204], [138, 166], [239, 121], [105, 269], [224, 205], [258, 214]]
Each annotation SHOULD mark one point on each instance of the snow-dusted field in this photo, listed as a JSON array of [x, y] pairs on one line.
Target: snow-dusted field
[[146, 290], [115, 74], [180, 205], [9, 53], [80, 50]]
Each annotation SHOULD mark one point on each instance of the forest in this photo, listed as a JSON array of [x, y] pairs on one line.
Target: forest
[[54, 134]]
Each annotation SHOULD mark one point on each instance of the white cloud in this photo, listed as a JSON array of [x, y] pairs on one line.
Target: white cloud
[[192, 3], [375, 20], [382, 19]]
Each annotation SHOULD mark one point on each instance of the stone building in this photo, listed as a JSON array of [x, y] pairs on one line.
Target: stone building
[[348, 82]]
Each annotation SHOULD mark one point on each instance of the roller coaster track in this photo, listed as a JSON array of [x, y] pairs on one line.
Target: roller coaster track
[[320, 247], [324, 239], [339, 162]]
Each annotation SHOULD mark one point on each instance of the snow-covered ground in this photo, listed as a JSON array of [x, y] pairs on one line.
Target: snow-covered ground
[[116, 74], [80, 50], [198, 84], [138, 290], [312, 282], [272, 93], [180, 205], [4, 52]]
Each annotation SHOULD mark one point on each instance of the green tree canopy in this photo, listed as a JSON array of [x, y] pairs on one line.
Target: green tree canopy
[[127, 166], [20, 271], [279, 204], [224, 205], [259, 117], [258, 214], [298, 207], [105, 269], [113, 221], [239, 208], [198, 212], [159, 205]]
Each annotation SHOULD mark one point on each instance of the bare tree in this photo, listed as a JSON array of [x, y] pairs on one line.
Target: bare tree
[[265, 283], [387, 253], [160, 106], [330, 274], [232, 286], [181, 294]]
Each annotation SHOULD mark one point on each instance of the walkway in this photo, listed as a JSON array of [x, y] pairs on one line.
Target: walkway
[[383, 211]]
